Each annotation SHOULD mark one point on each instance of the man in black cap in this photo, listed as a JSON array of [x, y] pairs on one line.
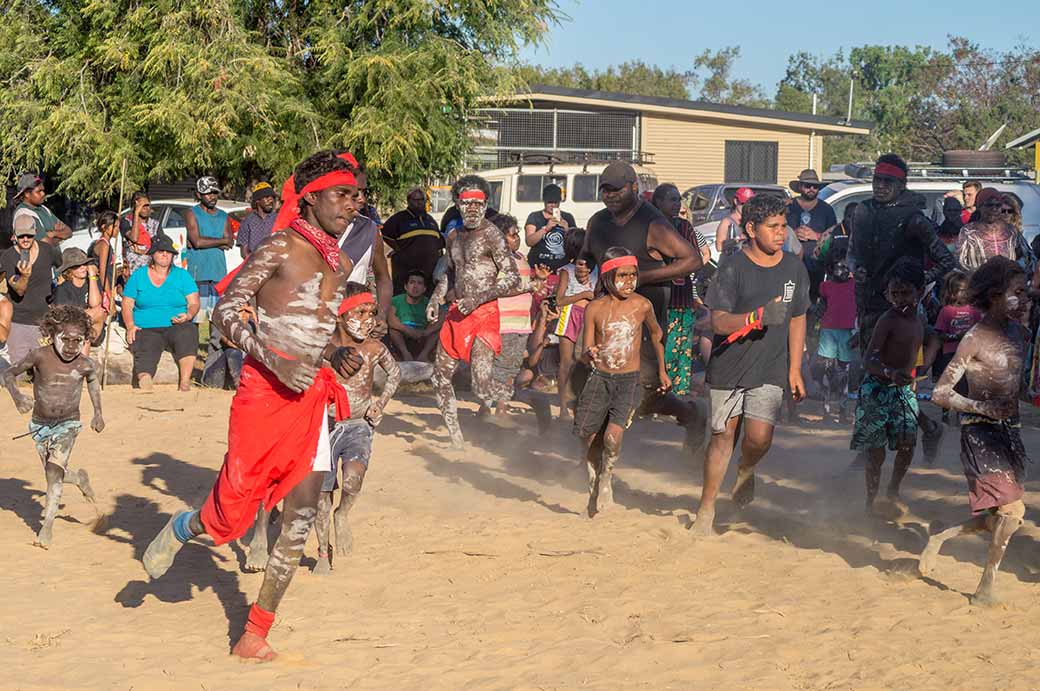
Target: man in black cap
[[30, 196], [29, 267], [259, 222], [663, 255], [545, 230]]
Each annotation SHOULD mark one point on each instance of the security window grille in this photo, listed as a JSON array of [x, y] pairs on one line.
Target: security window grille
[[751, 161], [501, 136]]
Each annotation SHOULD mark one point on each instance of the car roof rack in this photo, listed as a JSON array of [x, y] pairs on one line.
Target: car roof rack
[[522, 158], [937, 172]]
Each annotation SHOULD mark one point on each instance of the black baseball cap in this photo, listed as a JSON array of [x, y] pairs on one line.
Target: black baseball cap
[[617, 175]]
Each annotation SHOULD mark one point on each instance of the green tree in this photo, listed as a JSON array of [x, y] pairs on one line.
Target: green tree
[[240, 88], [713, 70], [634, 77]]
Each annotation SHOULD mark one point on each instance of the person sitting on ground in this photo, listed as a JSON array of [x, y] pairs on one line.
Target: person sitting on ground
[[351, 439], [611, 337], [990, 356], [28, 266], [160, 302], [58, 372], [886, 414], [413, 336], [78, 286], [575, 289]]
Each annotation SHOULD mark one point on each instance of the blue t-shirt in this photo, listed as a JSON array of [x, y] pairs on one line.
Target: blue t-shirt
[[156, 307], [208, 264]]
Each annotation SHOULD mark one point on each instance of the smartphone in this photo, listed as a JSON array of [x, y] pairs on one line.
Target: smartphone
[[25, 255], [556, 213]]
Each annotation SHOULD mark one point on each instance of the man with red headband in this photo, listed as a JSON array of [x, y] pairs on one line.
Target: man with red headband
[[484, 272], [885, 228], [277, 433]]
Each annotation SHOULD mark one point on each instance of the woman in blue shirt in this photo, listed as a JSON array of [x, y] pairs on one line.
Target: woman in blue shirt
[[159, 303]]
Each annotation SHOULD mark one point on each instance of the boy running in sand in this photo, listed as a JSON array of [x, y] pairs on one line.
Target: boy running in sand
[[758, 301], [612, 332], [886, 413], [277, 434], [351, 438], [990, 357], [59, 370]]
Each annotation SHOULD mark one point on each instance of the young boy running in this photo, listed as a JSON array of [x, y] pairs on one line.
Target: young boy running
[[612, 333], [351, 439], [758, 302], [839, 317], [886, 413], [277, 433], [59, 370], [990, 357]]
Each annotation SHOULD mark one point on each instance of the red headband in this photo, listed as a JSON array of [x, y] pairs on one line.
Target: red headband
[[890, 170], [472, 194], [353, 301], [290, 210], [611, 264]]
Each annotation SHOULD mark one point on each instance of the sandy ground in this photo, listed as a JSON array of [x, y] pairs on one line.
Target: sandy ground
[[479, 570]]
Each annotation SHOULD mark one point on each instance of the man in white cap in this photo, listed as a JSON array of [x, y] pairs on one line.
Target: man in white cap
[[209, 234], [30, 196], [29, 266]]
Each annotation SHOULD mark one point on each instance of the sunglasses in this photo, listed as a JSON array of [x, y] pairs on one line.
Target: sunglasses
[[810, 185], [1008, 212], [22, 237]]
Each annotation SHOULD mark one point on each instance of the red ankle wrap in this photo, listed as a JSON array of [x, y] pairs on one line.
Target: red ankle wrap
[[260, 621]]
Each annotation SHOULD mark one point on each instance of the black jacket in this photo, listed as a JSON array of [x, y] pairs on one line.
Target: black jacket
[[881, 234]]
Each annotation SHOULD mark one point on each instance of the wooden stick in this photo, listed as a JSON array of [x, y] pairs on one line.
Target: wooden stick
[[112, 289]]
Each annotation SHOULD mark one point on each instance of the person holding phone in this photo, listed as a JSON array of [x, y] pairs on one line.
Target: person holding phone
[[545, 230], [29, 267]]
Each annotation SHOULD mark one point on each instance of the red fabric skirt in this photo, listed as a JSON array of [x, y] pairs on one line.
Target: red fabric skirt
[[459, 332], [273, 436]]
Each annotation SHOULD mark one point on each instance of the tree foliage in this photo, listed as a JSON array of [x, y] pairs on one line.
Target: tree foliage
[[242, 88], [713, 70], [635, 77]]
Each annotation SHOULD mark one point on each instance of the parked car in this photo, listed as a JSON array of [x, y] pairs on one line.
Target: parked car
[[517, 190], [709, 204], [170, 214], [933, 182]]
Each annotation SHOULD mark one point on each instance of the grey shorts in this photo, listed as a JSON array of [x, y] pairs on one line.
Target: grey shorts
[[760, 403], [22, 340], [351, 440]]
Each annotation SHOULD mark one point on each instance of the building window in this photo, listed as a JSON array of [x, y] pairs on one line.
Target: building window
[[751, 162]]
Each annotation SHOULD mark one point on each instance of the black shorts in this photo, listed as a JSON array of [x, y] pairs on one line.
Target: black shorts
[[182, 340], [606, 398]]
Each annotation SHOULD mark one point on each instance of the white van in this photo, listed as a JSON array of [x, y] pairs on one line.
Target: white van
[[517, 190]]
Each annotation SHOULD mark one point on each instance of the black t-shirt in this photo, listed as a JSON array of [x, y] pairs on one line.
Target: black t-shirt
[[66, 293], [416, 241], [820, 218], [30, 308], [549, 250], [739, 287], [603, 233]]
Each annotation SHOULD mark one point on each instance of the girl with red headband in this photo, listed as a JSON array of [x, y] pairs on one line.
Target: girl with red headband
[[611, 335]]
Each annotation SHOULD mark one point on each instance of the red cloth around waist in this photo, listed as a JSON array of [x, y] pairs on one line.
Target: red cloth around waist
[[459, 332], [273, 436]]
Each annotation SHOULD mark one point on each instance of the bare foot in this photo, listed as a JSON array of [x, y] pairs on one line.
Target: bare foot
[[43, 538], [184, 387], [144, 382], [986, 596], [252, 647], [744, 487], [605, 493], [256, 560], [457, 442], [703, 524], [83, 482], [158, 558], [323, 567], [931, 551], [344, 535]]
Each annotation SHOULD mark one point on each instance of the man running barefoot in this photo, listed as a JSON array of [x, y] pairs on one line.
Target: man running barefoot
[[994, 458], [277, 433], [758, 302], [484, 272]]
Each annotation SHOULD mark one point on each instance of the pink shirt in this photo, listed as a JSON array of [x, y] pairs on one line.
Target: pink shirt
[[514, 313], [841, 305], [955, 320]]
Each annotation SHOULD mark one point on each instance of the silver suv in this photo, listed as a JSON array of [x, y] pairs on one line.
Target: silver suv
[[933, 182]]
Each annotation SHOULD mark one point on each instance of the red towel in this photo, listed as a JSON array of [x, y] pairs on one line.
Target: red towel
[[459, 332], [272, 439]]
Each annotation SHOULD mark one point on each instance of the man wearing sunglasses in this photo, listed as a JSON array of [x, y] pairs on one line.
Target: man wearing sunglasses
[[28, 266], [810, 216], [49, 228]]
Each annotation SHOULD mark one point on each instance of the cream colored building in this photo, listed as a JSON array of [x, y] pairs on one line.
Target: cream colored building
[[685, 142]]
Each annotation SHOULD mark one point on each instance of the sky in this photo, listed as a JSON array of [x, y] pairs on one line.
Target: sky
[[599, 33]]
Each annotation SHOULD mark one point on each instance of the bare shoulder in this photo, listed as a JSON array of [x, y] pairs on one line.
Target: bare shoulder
[[641, 303]]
